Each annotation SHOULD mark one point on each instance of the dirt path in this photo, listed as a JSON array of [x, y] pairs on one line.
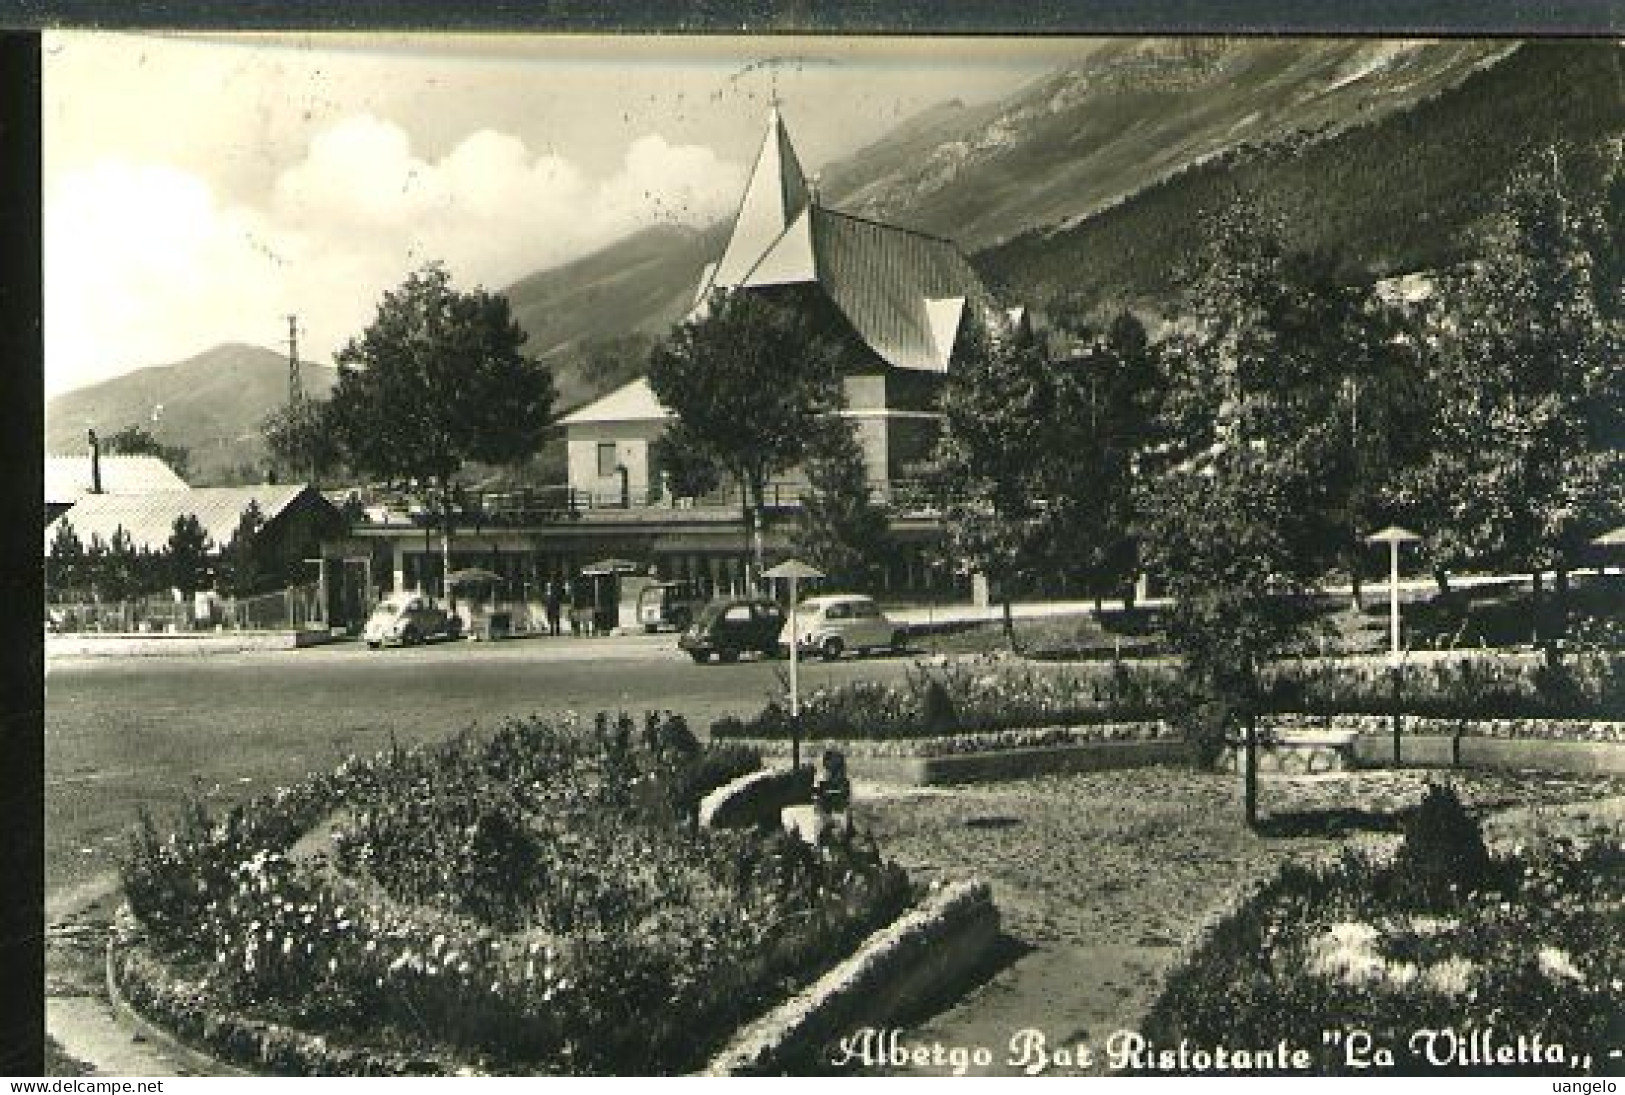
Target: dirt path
[[89, 1037], [1103, 879]]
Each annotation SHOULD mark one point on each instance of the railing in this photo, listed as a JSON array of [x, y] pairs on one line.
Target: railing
[[529, 506]]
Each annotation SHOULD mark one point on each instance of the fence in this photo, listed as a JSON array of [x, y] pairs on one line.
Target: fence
[[289, 609]]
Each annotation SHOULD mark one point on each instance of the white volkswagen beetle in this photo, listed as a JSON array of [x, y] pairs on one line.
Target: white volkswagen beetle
[[833, 624]]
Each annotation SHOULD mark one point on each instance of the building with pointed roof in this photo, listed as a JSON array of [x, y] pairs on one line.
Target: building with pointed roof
[[903, 299], [903, 302]]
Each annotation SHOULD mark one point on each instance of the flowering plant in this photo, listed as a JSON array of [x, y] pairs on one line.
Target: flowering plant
[[537, 899]]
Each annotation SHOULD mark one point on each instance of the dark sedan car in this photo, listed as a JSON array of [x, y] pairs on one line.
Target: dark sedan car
[[728, 627]]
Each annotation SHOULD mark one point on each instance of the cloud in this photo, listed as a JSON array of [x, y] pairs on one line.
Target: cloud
[[144, 264]]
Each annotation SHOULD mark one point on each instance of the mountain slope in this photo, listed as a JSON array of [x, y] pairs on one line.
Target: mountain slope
[[1131, 113], [1129, 116], [212, 404], [639, 285], [1402, 192]]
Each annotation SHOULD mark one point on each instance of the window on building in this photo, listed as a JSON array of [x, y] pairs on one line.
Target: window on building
[[606, 458]]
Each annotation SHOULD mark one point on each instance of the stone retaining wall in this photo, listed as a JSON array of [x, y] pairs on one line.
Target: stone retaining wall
[[1472, 751], [920, 959], [111, 645], [756, 798]]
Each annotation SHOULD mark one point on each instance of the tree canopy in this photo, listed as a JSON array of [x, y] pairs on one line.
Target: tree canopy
[[136, 440], [438, 379], [746, 381], [840, 529], [301, 440], [1526, 442]]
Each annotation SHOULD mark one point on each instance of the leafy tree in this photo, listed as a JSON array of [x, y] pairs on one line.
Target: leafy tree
[[301, 441], [187, 554], [1115, 377], [65, 567], [1527, 457], [1001, 406], [840, 530], [135, 440], [437, 380], [687, 471], [746, 382], [240, 564], [1235, 514]]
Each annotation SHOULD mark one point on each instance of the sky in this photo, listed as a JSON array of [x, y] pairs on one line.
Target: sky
[[199, 189]]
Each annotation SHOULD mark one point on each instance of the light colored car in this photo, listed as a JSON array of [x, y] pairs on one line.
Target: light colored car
[[833, 624], [409, 619]]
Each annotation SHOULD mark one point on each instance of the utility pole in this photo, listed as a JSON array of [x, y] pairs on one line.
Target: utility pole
[[295, 389]]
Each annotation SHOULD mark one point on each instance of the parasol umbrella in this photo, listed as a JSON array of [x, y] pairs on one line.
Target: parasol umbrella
[[606, 567], [1614, 538], [471, 575]]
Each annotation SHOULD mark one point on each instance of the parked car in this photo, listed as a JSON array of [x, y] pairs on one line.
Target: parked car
[[733, 625], [833, 624], [409, 619], [669, 604]]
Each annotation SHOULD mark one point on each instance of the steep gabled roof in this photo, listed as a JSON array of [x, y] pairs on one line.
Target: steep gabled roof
[[633, 402], [67, 478], [774, 196], [884, 280], [150, 518], [905, 293]]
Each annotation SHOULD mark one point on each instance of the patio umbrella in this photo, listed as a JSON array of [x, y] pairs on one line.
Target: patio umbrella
[[470, 575], [1615, 538], [606, 567]]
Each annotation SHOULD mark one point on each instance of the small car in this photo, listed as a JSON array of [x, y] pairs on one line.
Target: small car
[[833, 624], [669, 604], [730, 626], [409, 619]]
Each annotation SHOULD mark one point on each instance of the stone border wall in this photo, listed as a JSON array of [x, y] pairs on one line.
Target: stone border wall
[[756, 798], [918, 959], [1474, 751]]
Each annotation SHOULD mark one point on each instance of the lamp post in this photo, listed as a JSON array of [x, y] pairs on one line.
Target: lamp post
[[793, 570], [1393, 536]]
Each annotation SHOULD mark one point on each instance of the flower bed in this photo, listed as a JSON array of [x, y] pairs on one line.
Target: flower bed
[[971, 698], [540, 901], [1442, 937], [1590, 683], [987, 703]]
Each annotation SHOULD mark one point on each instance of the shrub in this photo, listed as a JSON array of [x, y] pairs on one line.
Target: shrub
[[1443, 857], [1346, 946], [938, 715]]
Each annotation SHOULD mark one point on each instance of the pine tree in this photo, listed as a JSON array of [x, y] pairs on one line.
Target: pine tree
[[187, 554]]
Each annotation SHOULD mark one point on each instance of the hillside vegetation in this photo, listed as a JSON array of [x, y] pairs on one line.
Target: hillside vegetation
[[1402, 193]]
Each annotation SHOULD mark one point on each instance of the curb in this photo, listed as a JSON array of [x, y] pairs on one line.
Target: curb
[[913, 960]]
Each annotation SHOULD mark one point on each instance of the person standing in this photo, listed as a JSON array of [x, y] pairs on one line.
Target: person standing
[[555, 603]]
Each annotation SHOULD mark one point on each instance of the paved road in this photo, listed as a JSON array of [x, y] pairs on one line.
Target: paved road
[[121, 734]]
